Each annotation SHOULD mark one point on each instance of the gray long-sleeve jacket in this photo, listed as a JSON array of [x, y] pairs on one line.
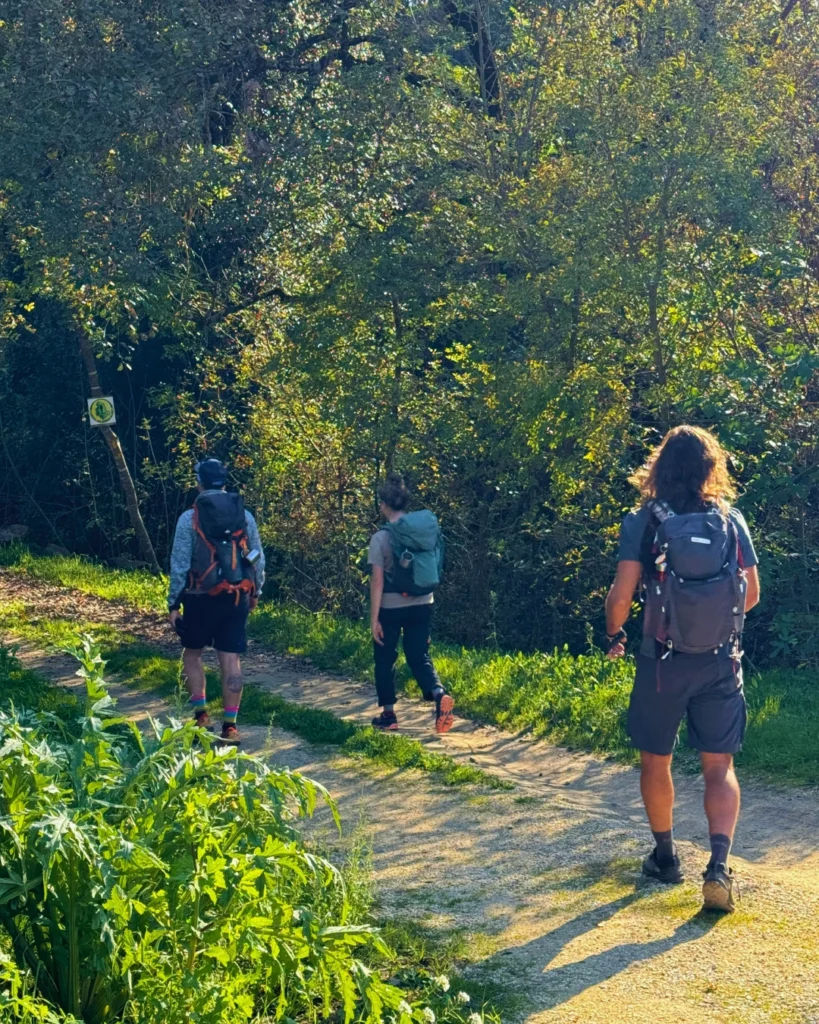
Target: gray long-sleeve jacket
[[182, 554]]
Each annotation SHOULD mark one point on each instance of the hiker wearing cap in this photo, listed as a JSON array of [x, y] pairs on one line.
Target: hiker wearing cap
[[406, 559], [694, 558], [217, 574]]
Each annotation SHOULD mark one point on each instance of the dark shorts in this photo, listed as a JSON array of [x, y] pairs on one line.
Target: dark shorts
[[214, 622], [705, 687]]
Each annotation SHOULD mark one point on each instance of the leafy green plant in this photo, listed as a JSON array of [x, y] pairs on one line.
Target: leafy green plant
[[19, 1004], [156, 878]]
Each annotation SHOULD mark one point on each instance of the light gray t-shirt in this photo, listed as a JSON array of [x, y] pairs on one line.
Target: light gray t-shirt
[[380, 553]]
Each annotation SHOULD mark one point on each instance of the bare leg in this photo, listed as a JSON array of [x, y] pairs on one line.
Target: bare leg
[[194, 671], [232, 682], [721, 793], [657, 789]]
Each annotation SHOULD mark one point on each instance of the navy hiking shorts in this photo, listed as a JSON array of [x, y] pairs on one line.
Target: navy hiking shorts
[[217, 622], [707, 688]]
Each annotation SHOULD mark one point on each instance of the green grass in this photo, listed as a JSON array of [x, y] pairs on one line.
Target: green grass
[[783, 726], [576, 700], [25, 689], [142, 666], [146, 668], [134, 587]]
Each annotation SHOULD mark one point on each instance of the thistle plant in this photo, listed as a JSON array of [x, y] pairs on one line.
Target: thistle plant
[[156, 878]]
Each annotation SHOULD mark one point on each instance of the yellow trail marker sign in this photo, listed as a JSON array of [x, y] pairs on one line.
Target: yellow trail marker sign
[[101, 412]]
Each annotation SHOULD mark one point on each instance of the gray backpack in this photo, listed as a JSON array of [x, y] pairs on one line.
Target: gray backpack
[[696, 591]]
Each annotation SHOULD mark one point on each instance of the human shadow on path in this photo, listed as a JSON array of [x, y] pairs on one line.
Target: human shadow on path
[[547, 988]]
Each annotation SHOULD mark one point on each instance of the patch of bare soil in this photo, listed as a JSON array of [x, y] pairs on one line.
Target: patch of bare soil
[[544, 879]]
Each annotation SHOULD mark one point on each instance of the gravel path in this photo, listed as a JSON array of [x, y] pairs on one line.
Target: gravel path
[[542, 879]]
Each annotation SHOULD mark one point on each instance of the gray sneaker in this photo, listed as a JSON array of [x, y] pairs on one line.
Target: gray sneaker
[[669, 872], [718, 888]]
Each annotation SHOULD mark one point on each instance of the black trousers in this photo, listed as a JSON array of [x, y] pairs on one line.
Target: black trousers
[[415, 621]]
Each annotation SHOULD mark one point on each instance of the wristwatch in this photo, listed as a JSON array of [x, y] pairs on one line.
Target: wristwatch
[[619, 637]]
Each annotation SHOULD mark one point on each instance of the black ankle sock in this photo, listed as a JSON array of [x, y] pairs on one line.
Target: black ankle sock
[[665, 846], [437, 693], [720, 848]]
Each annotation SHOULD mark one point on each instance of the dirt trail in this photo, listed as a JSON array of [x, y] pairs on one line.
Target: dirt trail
[[542, 879]]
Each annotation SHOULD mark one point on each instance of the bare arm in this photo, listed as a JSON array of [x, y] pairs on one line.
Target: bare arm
[[752, 593], [619, 601], [621, 595], [376, 592]]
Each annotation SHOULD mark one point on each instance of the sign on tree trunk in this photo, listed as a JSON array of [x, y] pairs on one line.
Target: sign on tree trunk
[[101, 412]]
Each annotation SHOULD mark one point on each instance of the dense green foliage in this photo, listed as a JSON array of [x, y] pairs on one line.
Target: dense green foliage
[[500, 247], [152, 878]]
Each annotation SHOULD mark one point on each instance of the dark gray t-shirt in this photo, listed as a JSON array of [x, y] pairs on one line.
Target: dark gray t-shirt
[[635, 524], [632, 534]]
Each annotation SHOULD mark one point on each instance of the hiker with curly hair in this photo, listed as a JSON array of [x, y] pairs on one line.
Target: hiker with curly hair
[[693, 556], [406, 560]]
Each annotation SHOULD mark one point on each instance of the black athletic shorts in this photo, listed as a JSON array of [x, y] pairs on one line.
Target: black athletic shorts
[[705, 687], [214, 622]]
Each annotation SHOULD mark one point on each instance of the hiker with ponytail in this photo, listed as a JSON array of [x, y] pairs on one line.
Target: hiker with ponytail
[[406, 561]]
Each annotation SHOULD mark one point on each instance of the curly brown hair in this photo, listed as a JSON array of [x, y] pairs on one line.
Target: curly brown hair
[[394, 493], [687, 470]]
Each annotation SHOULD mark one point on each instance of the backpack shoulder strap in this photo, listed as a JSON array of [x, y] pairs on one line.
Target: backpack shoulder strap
[[737, 546], [661, 510]]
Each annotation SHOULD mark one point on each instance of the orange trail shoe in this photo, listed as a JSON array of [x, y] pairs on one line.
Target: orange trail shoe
[[444, 718], [230, 735]]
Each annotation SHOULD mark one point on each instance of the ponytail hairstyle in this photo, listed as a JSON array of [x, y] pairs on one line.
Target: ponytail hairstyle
[[393, 492], [688, 470]]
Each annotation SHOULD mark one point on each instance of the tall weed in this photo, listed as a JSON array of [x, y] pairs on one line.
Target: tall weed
[[157, 879]]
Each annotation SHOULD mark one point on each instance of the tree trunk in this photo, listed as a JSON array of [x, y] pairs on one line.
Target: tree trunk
[[146, 548], [395, 406], [659, 355]]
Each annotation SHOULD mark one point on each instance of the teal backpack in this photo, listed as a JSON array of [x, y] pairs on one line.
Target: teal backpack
[[417, 552]]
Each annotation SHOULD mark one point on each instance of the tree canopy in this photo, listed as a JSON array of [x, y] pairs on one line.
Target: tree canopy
[[500, 248]]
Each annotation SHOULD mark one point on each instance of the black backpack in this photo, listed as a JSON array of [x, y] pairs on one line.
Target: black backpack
[[220, 544], [696, 586]]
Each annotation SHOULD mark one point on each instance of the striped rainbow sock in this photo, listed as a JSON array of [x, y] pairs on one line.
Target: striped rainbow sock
[[229, 715], [198, 704]]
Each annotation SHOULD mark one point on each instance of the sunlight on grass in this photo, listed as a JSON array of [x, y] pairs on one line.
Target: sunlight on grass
[[134, 587], [576, 700], [144, 667]]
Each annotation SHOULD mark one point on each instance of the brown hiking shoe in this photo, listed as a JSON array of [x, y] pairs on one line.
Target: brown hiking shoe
[[230, 735], [202, 719], [718, 888], [444, 718]]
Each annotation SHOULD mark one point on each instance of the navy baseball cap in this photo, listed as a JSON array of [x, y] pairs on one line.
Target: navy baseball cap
[[211, 473]]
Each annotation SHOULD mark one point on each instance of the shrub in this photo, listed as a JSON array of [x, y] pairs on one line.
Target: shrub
[[158, 879], [18, 1003]]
